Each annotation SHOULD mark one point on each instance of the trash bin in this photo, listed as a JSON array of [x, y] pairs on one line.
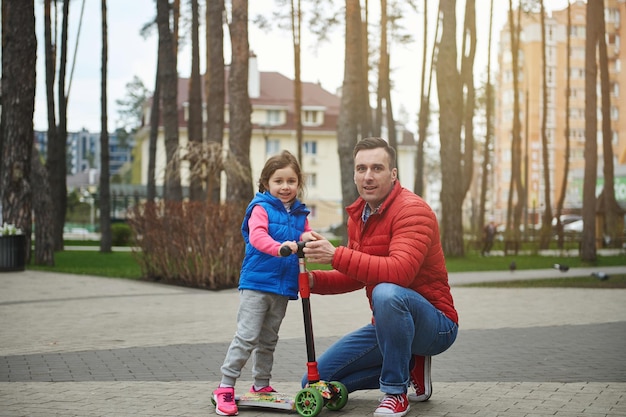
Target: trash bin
[[12, 253]]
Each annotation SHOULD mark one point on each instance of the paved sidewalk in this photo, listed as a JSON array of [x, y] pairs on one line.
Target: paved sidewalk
[[88, 346]]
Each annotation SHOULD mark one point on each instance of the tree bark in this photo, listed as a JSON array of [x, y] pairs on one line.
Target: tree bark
[[546, 223], [215, 90], [467, 75], [240, 188], [484, 185], [349, 116], [561, 199], [449, 87], [588, 244], [296, 23], [194, 124], [44, 239], [610, 208], [105, 188], [56, 161], [19, 56], [169, 92]]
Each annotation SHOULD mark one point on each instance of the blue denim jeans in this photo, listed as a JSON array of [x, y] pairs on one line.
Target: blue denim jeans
[[379, 356]]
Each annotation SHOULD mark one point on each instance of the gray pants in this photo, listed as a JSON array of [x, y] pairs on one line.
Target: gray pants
[[258, 320]]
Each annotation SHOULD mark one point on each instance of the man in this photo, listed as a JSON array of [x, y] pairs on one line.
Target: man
[[394, 251]]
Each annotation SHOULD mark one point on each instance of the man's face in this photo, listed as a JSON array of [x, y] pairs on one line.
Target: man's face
[[372, 175]]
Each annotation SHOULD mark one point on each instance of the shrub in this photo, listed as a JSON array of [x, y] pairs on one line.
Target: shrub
[[121, 234], [193, 244]]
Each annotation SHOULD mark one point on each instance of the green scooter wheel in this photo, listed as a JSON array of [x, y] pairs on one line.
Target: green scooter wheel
[[309, 402], [341, 399]]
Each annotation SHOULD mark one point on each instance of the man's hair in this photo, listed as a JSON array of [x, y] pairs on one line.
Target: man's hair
[[373, 143]]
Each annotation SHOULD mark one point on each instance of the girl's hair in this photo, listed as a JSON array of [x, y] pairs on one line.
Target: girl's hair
[[282, 160]]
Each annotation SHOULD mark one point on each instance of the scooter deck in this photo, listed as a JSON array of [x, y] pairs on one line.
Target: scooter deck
[[267, 400]]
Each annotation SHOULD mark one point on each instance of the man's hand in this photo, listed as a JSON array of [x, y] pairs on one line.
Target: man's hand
[[319, 251]]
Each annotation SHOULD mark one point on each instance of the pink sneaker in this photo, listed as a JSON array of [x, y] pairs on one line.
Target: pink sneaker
[[264, 390], [393, 406], [225, 404], [420, 379]]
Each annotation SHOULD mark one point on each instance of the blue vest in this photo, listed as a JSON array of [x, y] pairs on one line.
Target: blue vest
[[273, 274]]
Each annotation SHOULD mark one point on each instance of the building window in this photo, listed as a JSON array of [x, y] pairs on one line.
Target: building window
[[312, 117], [272, 147], [311, 180], [310, 147], [272, 117]]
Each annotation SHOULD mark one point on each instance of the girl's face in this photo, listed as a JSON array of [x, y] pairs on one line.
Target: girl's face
[[283, 184]]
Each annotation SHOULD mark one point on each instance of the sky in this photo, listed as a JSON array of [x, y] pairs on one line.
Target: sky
[[131, 55]]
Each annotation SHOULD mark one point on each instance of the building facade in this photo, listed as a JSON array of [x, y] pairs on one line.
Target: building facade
[[273, 129], [83, 151], [531, 84]]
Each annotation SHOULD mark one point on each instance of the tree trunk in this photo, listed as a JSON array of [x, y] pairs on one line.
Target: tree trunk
[[105, 189], [215, 89], [56, 161], [561, 199], [611, 209], [296, 23], [514, 212], [424, 113], [240, 188], [546, 223], [366, 109], [169, 93], [19, 55], [467, 76], [449, 88], [588, 244], [155, 116], [488, 117], [44, 239], [194, 124], [382, 64], [348, 122]]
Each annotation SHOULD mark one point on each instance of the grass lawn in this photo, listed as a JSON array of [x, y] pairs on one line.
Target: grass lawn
[[614, 281], [124, 265], [114, 264]]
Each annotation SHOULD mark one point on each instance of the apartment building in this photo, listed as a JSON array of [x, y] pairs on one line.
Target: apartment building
[[531, 83], [83, 151], [273, 129]]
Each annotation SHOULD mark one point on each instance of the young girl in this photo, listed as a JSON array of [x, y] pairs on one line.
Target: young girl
[[275, 217]]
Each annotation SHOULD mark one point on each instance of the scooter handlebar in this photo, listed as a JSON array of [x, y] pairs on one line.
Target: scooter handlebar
[[285, 250]]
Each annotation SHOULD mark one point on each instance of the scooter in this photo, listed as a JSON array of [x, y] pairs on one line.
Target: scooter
[[309, 401]]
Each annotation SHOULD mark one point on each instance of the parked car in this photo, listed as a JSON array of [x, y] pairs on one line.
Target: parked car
[[567, 219], [574, 227]]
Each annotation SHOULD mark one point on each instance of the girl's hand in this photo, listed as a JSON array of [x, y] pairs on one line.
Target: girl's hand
[[291, 244], [311, 236]]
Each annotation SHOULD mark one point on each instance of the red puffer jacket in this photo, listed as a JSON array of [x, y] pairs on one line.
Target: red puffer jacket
[[399, 244]]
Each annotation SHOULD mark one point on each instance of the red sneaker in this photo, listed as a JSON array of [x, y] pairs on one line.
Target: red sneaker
[[225, 404], [264, 390], [420, 379], [393, 406]]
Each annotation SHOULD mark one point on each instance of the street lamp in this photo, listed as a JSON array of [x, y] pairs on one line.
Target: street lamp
[[266, 129], [87, 197]]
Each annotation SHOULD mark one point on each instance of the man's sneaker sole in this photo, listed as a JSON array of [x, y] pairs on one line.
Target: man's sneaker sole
[[419, 398], [400, 414]]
